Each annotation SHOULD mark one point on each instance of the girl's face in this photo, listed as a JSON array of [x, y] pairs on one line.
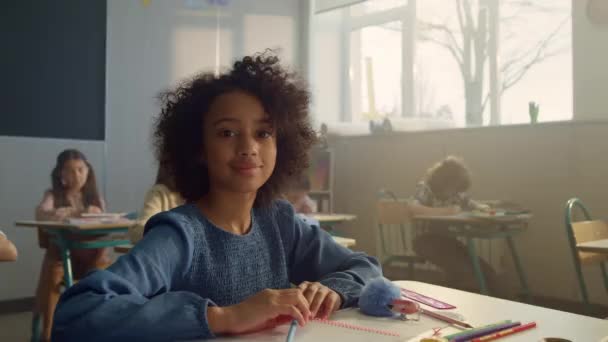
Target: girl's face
[[74, 174], [239, 141]]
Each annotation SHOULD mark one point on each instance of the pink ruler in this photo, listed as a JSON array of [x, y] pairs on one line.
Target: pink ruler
[[432, 302]]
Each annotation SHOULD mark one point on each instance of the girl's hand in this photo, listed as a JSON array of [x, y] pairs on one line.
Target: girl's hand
[[92, 209], [323, 301], [263, 310], [63, 213]]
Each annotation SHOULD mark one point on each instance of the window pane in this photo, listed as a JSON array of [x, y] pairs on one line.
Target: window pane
[[441, 94], [536, 36], [375, 72]]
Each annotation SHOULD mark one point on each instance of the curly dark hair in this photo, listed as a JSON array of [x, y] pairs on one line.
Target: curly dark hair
[[178, 134], [451, 171]]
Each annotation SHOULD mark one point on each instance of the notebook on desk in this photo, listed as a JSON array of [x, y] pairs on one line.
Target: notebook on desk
[[346, 325]]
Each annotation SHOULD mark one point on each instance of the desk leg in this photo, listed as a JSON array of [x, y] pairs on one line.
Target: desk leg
[[476, 266], [64, 250], [519, 268]]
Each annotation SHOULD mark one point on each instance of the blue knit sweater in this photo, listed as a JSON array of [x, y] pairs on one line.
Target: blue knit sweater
[[162, 288]]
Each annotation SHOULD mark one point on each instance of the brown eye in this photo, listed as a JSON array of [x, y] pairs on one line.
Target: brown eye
[[227, 133], [265, 134]]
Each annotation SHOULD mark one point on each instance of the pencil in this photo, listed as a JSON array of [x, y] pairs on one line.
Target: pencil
[[445, 318], [474, 333], [292, 331], [506, 332], [484, 327]]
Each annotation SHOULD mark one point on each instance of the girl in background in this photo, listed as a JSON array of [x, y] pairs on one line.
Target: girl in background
[[163, 196], [73, 192]]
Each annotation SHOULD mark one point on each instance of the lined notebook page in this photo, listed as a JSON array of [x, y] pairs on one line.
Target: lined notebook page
[[347, 325]]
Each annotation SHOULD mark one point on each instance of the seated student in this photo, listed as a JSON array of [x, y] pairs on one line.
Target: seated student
[[443, 192], [161, 197], [224, 262], [8, 252], [73, 191]]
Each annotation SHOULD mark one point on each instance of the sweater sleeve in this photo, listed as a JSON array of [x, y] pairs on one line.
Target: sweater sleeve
[[138, 297], [315, 256]]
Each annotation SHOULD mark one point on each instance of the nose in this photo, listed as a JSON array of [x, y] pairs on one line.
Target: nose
[[248, 146]]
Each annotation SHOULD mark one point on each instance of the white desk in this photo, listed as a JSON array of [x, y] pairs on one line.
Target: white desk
[[598, 246], [477, 310]]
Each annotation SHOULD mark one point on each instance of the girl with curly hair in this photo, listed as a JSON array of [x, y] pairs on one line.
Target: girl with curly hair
[[224, 262]]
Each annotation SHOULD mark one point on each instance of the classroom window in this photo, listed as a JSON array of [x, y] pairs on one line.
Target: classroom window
[[440, 64]]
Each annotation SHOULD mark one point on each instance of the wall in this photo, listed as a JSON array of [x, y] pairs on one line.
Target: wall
[[590, 53]]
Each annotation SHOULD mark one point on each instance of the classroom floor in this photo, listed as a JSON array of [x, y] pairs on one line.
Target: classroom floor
[[15, 327]]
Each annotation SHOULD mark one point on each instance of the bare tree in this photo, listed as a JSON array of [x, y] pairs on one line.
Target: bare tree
[[468, 43]]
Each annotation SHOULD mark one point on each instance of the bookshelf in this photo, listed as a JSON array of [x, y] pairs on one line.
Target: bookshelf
[[320, 174]]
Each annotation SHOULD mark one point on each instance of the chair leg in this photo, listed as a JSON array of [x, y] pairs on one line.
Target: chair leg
[[581, 281], [476, 266], [36, 327], [605, 274], [412, 269], [519, 268], [47, 295]]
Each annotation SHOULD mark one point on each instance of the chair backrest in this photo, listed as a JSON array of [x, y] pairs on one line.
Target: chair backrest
[[584, 231], [393, 218]]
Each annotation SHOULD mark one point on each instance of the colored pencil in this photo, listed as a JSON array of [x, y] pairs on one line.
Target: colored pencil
[[493, 325], [472, 334], [506, 332]]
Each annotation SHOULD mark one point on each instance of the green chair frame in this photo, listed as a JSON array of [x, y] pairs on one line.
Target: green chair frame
[[572, 204]]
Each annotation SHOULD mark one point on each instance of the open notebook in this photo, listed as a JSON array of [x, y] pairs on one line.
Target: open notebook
[[347, 325]]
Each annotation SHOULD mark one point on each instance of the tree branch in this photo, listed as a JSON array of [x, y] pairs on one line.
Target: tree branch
[[460, 18], [485, 102], [452, 44], [540, 55], [451, 49]]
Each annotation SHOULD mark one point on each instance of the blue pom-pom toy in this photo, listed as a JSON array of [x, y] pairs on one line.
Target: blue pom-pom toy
[[376, 297]]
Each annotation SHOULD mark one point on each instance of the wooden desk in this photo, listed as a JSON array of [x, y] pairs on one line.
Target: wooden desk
[[473, 226], [598, 246], [346, 242], [331, 219], [478, 310], [60, 231]]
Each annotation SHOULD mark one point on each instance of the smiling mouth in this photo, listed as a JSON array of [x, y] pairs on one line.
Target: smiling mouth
[[246, 169]]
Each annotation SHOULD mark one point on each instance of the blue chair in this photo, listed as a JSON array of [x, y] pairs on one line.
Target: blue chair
[[585, 231]]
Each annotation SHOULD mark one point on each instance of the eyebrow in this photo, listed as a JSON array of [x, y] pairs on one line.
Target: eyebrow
[[265, 120]]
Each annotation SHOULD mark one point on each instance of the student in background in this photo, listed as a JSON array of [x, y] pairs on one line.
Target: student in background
[[224, 262], [161, 197], [8, 252], [297, 195], [73, 192], [443, 191]]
